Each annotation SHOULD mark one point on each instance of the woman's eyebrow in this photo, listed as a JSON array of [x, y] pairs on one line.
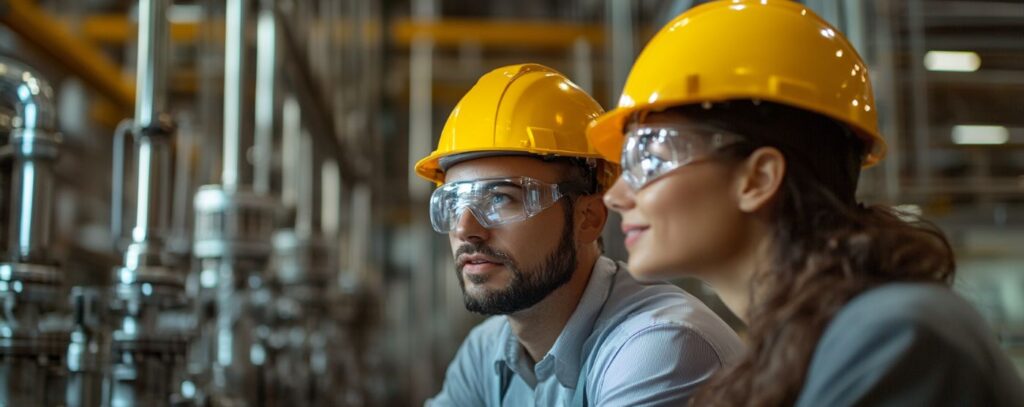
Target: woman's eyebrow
[[499, 183]]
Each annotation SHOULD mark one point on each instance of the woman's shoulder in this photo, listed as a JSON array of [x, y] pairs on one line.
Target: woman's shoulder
[[923, 305], [910, 343], [911, 314]]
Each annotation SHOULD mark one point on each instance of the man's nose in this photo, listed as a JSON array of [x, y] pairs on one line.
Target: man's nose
[[468, 228]]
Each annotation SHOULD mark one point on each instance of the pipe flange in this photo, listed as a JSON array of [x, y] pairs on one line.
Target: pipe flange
[[153, 275], [162, 126], [137, 347], [30, 273], [220, 249], [150, 286], [35, 143], [301, 259], [55, 344], [234, 224]]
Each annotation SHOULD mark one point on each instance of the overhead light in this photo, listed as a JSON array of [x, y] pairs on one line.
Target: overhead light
[[952, 61], [978, 134]]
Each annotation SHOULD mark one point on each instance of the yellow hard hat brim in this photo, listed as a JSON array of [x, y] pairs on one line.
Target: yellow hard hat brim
[[606, 133]]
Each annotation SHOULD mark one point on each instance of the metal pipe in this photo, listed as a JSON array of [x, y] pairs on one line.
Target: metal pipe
[[34, 144], [150, 81], [421, 76], [619, 30], [619, 54], [307, 213], [315, 115], [582, 65], [266, 87], [234, 84], [331, 204], [152, 205], [30, 96], [153, 132], [885, 70], [291, 135], [423, 295], [919, 92]]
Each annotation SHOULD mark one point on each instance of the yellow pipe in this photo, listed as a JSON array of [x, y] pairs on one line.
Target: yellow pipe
[[116, 29], [496, 33], [53, 38], [449, 32]]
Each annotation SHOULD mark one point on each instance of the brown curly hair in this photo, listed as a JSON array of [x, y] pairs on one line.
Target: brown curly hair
[[827, 248]]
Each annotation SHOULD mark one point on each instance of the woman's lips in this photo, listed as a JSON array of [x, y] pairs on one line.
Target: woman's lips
[[633, 233]]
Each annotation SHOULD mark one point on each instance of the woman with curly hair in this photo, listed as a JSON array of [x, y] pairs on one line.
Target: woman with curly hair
[[742, 131]]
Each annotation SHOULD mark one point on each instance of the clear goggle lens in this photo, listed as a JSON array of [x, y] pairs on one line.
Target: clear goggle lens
[[653, 150], [492, 201]]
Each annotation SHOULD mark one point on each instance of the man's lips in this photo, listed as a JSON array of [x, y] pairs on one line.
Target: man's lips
[[476, 259]]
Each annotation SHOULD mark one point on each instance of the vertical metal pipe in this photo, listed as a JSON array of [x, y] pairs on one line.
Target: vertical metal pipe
[[303, 211], [884, 69], [151, 83], [291, 134], [330, 199], [180, 226], [360, 230], [619, 34], [266, 87], [234, 82], [582, 68], [619, 55], [423, 315], [153, 171], [31, 209], [919, 92], [153, 131], [307, 215], [34, 143], [420, 120]]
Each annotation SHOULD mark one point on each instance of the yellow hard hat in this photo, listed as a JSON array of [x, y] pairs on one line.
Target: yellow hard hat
[[773, 50], [519, 109]]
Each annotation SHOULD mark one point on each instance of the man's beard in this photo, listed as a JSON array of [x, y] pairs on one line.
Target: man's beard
[[526, 288]]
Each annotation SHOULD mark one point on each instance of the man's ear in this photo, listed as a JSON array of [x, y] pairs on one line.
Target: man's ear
[[591, 215], [759, 178]]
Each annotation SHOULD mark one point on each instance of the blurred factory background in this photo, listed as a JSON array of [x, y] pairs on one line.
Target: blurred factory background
[[211, 202]]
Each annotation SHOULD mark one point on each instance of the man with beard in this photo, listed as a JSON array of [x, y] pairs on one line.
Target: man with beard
[[520, 197]]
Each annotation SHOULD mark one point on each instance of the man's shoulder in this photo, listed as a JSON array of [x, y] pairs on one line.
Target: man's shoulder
[[635, 308], [649, 303]]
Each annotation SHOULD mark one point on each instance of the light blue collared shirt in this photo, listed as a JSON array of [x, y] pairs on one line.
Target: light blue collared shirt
[[646, 344]]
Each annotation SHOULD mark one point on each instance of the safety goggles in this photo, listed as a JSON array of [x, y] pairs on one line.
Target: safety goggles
[[653, 150], [494, 201]]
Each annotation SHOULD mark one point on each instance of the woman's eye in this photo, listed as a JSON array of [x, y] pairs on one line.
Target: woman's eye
[[500, 199]]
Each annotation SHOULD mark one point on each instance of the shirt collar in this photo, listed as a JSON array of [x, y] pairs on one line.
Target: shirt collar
[[568, 348]]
